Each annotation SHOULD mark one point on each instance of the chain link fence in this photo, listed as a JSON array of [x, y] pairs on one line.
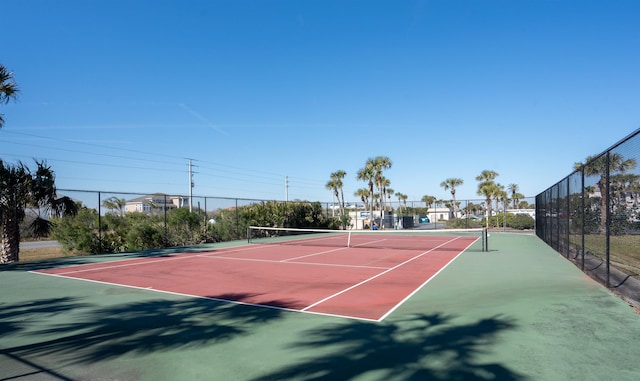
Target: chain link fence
[[122, 221], [592, 216]]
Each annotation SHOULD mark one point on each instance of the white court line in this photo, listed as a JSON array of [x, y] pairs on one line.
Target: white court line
[[207, 297], [99, 267], [425, 282], [149, 260], [314, 254], [295, 263], [303, 310], [141, 262], [377, 275]]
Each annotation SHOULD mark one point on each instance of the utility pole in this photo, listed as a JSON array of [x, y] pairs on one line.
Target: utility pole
[[190, 186], [286, 188]]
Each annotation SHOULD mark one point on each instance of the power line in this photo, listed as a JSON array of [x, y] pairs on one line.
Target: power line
[[234, 173]]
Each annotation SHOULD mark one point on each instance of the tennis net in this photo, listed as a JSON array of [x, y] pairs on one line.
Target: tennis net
[[385, 239]]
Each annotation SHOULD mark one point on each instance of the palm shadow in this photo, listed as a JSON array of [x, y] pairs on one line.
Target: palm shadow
[[76, 260], [140, 328], [16, 317], [421, 347]]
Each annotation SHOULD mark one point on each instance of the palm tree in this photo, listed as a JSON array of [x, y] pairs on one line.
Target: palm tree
[[367, 173], [487, 175], [385, 191], [389, 192], [381, 163], [498, 195], [115, 203], [597, 166], [363, 193], [428, 201], [487, 188], [20, 189], [402, 198], [338, 176], [8, 88], [333, 187], [513, 188], [335, 184], [451, 184], [472, 208]]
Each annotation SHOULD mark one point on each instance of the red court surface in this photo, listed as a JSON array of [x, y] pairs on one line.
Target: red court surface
[[349, 282]]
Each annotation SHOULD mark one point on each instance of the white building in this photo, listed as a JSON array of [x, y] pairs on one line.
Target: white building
[[157, 202]]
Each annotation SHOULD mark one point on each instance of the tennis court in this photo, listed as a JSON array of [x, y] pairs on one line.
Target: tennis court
[[519, 311], [363, 276]]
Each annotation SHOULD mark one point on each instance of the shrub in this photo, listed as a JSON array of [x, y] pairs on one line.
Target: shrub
[[521, 222], [463, 223]]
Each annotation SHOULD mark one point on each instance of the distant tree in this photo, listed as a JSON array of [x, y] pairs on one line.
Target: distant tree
[[21, 189], [332, 185], [515, 198], [500, 197], [513, 188], [336, 185], [488, 189], [8, 88], [451, 184], [385, 191], [380, 164], [389, 192], [524, 205], [428, 201], [363, 194], [402, 198], [487, 175], [115, 203], [472, 208], [597, 166], [368, 174]]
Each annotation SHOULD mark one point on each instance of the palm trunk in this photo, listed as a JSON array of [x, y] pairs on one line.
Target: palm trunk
[[603, 206], [9, 251], [455, 205], [488, 216], [371, 205]]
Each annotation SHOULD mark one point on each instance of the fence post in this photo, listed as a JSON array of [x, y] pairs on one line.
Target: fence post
[[583, 218], [607, 215], [166, 233], [237, 219], [99, 221]]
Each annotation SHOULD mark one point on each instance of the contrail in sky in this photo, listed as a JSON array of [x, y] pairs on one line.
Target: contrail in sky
[[202, 118]]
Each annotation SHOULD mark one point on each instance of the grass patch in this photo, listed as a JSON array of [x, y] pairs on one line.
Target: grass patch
[[41, 253], [624, 250]]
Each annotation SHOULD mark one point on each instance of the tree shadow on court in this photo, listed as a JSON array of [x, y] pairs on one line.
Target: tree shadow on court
[[17, 317], [422, 347], [101, 333], [97, 258]]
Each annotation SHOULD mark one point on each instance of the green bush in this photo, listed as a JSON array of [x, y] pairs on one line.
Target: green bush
[[143, 237], [521, 222], [78, 234], [139, 231], [463, 223]]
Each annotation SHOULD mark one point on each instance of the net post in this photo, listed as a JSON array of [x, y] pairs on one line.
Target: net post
[[485, 239], [349, 239], [248, 234]]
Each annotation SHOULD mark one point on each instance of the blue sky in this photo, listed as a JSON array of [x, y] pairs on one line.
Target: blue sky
[[117, 95]]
